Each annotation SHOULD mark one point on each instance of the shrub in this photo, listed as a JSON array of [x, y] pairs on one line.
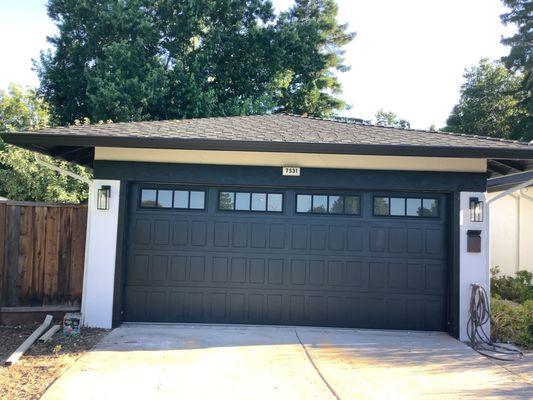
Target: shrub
[[512, 322], [518, 288]]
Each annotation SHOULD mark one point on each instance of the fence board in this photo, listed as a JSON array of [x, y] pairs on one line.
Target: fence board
[[11, 254], [25, 259], [65, 244], [79, 227], [39, 252], [3, 285], [51, 267]]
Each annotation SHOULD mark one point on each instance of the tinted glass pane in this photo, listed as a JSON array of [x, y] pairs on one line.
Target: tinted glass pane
[[197, 200], [352, 204], [303, 203], [148, 198], [336, 204], [181, 199], [414, 207], [320, 204], [381, 206], [397, 206], [259, 201], [242, 201], [164, 198], [430, 208], [226, 201], [275, 202]]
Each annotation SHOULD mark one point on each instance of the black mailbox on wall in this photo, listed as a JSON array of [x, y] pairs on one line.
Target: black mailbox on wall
[[473, 241]]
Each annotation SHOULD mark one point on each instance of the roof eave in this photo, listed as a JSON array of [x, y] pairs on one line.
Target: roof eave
[[42, 143]]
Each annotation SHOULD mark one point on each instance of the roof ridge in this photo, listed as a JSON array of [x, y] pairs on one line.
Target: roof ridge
[[467, 135]]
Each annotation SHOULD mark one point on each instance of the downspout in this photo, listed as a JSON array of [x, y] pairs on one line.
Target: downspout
[[46, 164]]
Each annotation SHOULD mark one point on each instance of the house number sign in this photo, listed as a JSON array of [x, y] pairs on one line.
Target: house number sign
[[291, 171]]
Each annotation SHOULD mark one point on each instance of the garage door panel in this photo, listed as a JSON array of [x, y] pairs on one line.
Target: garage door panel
[[284, 268], [306, 239], [220, 269], [180, 233], [222, 234], [239, 235], [287, 273], [198, 233], [318, 237], [277, 236], [161, 229], [337, 238], [281, 307], [176, 306]]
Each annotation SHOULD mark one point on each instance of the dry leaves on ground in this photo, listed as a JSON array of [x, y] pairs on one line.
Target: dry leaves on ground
[[43, 363]]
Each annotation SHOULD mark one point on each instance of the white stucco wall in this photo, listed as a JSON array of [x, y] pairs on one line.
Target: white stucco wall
[[473, 266], [511, 232], [100, 253]]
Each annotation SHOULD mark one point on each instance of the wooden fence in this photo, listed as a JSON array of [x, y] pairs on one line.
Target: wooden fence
[[42, 249]]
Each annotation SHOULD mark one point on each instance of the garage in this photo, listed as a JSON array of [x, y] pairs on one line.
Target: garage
[[282, 219], [278, 255]]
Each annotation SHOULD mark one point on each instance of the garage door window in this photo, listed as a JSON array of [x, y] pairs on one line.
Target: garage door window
[[248, 201], [180, 199], [327, 204], [405, 207]]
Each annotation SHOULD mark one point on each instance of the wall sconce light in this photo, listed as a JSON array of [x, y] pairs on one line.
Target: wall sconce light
[[476, 210], [102, 201]]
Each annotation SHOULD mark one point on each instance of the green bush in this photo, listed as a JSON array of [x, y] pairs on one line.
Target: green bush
[[512, 322], [518, 288]]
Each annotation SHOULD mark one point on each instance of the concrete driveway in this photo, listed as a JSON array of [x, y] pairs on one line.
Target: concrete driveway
[[261, 362]]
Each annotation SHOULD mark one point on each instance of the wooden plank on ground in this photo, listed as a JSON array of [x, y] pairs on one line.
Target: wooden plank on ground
[[51, 256], [79, 228], [25, 260], [11, 254], [39, 252], [49, 333], [13, 358], [3, 286]]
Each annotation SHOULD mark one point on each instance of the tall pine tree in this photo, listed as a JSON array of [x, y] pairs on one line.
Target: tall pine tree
[[520, 57]]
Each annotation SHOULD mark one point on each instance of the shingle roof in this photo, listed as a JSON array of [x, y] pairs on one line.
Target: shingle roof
[[283, 128]]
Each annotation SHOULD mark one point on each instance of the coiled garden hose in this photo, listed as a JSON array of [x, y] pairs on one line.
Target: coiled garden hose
[[480, 341]]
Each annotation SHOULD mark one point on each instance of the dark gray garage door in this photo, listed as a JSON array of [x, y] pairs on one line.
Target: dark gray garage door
[[284, 256]]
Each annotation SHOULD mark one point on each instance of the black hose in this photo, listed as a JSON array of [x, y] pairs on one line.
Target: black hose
[[479, 340]]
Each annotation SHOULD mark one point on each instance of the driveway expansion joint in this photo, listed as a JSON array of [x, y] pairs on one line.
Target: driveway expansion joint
[[315, 367]]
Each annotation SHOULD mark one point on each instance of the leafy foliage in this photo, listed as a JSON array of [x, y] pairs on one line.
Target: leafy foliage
[[512, 322], [520, 57], [141, 60], [490, 103], [518, 288], [21, 178], [388, 118]]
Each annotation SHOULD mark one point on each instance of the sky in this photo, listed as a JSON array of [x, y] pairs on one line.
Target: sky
[[407, 57]]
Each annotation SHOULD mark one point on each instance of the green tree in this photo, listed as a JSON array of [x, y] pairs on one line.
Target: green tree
[[490, 103], [21, 178], [520, 57], [312, 42], [388, 118], [141, 60]]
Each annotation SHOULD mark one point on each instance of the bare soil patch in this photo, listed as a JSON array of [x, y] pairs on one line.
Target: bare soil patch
[[43, 363]]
